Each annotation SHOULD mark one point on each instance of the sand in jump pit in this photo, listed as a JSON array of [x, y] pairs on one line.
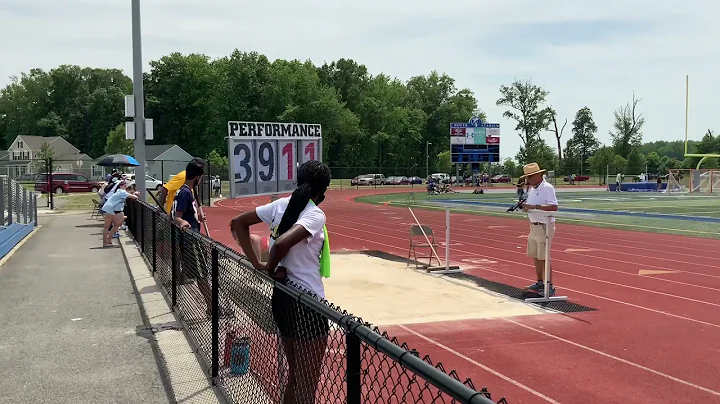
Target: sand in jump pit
[[384, 292]]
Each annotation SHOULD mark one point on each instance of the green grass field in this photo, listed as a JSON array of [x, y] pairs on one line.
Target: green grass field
[[674, 204]]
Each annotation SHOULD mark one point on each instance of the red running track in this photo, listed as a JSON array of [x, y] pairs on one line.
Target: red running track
[[654, 338]]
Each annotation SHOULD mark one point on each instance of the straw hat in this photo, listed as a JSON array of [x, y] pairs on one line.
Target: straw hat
[[531, 169]]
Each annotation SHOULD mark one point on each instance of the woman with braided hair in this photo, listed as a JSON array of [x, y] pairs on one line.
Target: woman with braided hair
[[297, 243]]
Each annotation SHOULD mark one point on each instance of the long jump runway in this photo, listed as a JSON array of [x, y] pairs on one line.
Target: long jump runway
[[655, 336]]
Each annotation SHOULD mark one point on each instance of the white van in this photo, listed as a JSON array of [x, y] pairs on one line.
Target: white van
[[441, 177]]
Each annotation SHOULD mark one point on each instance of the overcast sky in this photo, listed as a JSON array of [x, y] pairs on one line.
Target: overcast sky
[[585, 52]]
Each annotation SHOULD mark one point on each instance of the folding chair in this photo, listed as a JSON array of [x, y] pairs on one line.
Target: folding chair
[[418, 240], [96, 210]]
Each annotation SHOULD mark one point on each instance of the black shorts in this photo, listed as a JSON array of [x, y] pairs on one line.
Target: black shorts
[[193, 262], [295, 320]]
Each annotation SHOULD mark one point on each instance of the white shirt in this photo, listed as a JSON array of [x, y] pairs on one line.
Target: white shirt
[[543, 194], [618, 178], [303, 259]]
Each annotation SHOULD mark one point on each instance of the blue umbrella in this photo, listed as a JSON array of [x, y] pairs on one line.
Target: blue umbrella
[[118, 160]]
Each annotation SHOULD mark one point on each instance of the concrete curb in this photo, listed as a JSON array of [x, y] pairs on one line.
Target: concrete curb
[[188, 381]]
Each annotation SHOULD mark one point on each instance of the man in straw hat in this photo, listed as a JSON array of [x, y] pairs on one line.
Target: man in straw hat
[[541, 196]]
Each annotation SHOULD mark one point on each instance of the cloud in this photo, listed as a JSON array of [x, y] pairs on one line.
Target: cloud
[[586, 53]]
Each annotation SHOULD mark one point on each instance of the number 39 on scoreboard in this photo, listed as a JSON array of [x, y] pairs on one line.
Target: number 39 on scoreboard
[[264, 157]]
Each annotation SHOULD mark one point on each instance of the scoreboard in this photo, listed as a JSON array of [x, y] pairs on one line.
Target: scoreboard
[[475, 142], [264, 156]]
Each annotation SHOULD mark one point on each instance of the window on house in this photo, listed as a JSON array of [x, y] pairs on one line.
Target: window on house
[[20, 144], [98, 172]]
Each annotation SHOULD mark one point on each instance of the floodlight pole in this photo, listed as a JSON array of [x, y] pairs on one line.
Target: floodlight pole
[[427, 160], [139, 99]]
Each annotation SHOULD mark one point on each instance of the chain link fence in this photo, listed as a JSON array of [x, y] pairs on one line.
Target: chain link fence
[[263, 341]]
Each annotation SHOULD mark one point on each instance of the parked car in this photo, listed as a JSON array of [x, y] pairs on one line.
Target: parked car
[[578, 178], [26, 178], [441, 178], [63, 183], [150, 182], [415, 180], [501, 178], [372, 179], [397, 180], [356, 180]]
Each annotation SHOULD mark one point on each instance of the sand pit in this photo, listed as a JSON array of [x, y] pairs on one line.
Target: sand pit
[[384, 292]]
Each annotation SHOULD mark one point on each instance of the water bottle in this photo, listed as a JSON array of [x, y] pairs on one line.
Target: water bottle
[[240, 356]]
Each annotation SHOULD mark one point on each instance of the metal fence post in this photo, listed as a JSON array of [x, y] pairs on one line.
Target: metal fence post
[[154, 242], [354, 390], [215, 313], [23, 205], [2, 200], [50, 191], [173, 264], [141, 233], [33, 201], [18, 202], [35, 208], [10, 203]]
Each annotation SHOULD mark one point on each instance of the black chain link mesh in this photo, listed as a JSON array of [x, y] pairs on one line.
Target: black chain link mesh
[[278, 343]]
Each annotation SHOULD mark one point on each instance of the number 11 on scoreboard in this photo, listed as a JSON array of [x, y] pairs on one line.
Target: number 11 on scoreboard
[[287, 164]]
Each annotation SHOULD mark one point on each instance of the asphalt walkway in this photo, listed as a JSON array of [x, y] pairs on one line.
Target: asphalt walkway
[[71, 329]]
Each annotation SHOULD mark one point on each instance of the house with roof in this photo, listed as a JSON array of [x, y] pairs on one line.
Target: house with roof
[[24, 159], [162, 161], [165, 160]]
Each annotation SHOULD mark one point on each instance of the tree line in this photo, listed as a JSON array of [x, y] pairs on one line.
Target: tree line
[[368, 120]]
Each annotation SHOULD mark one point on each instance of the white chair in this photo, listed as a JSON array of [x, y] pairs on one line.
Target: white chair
[[418, 240]]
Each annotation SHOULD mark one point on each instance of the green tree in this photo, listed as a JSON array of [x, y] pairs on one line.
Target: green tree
[[654, 162], [509, 167], [709, 144], [116, 142], [526, 103], [619, 164], [635, 162], [583, 144], [79, 104], [674, 149], [627, 126], [538, 152], [45, 153], [601, 161], [444, 162], [218, 164]]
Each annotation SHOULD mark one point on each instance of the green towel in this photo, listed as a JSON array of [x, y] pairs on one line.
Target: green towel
[[324, 253], [325, 256]]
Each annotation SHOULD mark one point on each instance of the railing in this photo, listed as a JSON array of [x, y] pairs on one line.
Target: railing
[[332, 357], [17, 204]]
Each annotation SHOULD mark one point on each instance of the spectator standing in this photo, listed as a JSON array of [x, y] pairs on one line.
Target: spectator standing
[[113, 211], [299, 252], [541, 197], [169, 189], [184, 212]]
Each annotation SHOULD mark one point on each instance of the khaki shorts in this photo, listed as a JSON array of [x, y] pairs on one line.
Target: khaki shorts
[[536, 241]]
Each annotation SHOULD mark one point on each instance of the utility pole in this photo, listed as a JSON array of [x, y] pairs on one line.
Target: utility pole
[[139, 117], [427, 160]]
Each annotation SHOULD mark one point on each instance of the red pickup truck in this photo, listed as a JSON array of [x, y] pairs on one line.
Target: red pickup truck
[[63, 183]]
